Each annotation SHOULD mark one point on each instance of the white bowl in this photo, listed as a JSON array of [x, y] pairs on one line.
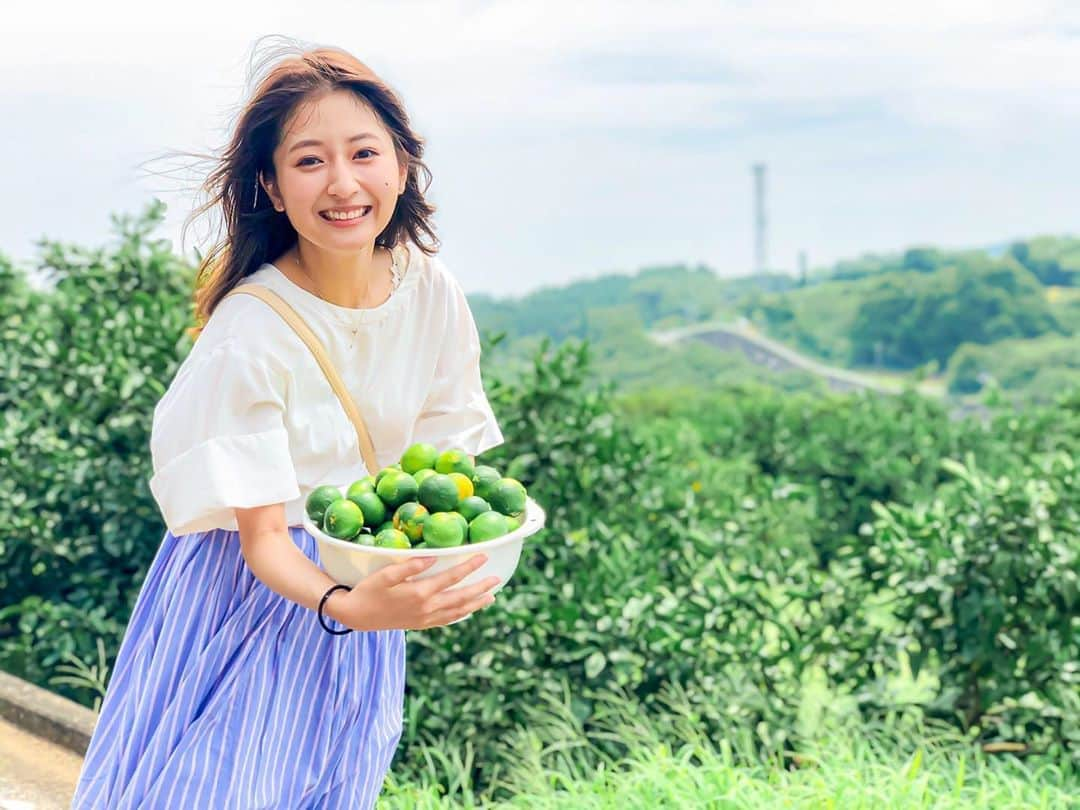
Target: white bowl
[[347, 563]]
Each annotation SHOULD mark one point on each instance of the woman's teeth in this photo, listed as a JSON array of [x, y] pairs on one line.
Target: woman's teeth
[[350, 215]]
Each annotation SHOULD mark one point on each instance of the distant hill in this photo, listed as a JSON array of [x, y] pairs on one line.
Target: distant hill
[[656, 295], [921, 310]]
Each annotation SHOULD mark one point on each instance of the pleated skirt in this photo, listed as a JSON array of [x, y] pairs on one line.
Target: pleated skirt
[[227, 696]]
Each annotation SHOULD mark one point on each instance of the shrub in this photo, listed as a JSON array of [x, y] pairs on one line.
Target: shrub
[[987, 584], [82, 366]]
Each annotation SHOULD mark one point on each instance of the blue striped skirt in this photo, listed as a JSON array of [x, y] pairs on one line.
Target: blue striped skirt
[[226, 695]]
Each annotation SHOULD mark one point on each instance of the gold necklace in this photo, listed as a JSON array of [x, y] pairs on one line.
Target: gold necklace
[[295, 256]]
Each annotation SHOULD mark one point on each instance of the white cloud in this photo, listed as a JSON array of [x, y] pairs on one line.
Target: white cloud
[[575, 111]]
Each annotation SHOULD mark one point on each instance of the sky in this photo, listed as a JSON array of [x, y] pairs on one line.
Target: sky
[[570, 139]]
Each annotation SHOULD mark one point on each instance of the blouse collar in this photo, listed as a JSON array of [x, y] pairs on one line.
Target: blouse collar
[[405, 277]]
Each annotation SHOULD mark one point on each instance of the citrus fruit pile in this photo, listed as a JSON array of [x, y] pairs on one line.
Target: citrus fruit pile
[[430, 499]]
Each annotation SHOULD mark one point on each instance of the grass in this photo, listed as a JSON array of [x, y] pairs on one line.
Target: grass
[[904, 765], [936, 386]]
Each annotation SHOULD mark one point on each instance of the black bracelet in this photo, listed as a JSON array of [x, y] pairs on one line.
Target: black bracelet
[[322, 620]]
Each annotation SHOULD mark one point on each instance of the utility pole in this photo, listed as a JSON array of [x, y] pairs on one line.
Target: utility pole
[[761, 258]]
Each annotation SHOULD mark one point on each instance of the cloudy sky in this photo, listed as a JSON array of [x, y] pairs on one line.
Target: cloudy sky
[[570, 139]]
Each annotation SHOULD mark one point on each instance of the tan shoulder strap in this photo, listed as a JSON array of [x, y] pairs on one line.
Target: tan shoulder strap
[[282, 308]]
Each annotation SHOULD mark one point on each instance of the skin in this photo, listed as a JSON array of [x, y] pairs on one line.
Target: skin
[[342, 266]]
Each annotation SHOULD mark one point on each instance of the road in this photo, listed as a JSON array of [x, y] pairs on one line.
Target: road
[[759, 349], [35, 774]]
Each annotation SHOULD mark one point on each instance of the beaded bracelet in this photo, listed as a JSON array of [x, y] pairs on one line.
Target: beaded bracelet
[[322, 620]]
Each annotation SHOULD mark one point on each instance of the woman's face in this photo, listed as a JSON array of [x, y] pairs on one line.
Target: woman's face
[[336, 161]]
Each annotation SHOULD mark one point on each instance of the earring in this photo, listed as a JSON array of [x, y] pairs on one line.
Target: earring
[[255, 202]]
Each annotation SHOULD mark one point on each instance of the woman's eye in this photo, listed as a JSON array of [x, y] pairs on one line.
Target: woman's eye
[[304, 161]]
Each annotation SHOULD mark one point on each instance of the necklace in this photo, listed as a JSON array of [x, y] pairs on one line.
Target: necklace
[[394, 273]]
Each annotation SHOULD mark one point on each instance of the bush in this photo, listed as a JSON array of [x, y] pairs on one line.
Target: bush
[[737, 544], [660, 565], [987, 584], [83, 365]]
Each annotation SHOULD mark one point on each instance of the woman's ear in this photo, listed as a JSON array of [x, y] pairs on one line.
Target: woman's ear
[[270, 187]]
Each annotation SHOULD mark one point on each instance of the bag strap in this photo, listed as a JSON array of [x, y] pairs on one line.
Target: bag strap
[[279, 305]]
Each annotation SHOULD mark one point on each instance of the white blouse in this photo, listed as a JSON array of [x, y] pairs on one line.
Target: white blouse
[[250, 419]]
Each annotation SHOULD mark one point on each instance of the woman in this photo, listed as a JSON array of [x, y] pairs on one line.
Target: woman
[[226, 692]]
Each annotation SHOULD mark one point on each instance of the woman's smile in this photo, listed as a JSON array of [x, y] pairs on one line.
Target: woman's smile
[[345, 218]]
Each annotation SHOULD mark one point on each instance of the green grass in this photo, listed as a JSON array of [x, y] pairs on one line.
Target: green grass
[[936, 386], [1034, 370], [850, 768]]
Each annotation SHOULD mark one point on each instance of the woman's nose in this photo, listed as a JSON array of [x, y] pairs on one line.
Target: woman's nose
[[342, 181]]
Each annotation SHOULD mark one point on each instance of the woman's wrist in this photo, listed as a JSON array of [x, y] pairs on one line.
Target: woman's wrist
[[334, 608]]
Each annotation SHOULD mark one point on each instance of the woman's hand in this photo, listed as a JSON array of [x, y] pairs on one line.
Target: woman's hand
[[387, 600]]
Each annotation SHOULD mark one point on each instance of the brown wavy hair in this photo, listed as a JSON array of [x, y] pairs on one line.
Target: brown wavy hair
[[254, 232]]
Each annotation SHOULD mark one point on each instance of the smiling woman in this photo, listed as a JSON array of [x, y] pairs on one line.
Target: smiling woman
[[228, 691], [339, 192], [323, 137]]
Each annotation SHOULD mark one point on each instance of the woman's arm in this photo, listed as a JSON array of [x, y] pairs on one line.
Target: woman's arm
[[384, 601], [273, 557]]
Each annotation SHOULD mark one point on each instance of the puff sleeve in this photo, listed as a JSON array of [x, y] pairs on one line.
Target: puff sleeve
[[456, 412], [219, 441]]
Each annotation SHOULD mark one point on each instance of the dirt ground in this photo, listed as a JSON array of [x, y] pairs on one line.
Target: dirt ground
[[35, 774]]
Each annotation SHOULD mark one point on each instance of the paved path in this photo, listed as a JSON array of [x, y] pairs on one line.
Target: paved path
[[767, 352], [35, 774], [742, 336]]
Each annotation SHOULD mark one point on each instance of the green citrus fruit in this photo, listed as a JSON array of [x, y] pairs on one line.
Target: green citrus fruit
[[455, 460], [460, 518], [366, 484], [397, 487], [443, 530], [372, 506], [392, 538], [384, 471], [409, 518], [421, 456], [472, 506], [439, 493], [488, 526], [463, 483], [484, 480], [343, 519], [508, 497], [389, 524], [423, 475], [318, 500]]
